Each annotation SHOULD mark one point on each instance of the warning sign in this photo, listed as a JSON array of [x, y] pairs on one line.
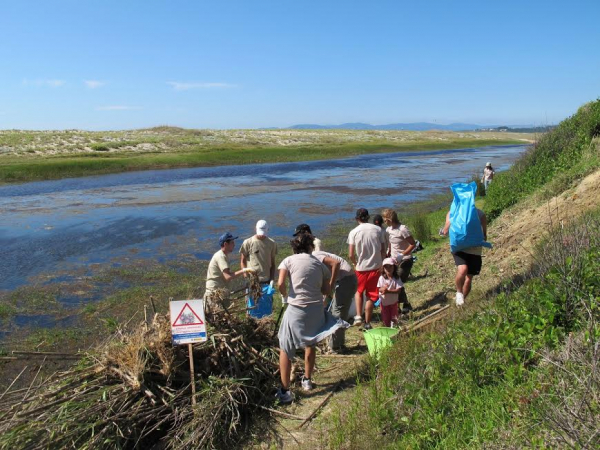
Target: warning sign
[[187, 321]]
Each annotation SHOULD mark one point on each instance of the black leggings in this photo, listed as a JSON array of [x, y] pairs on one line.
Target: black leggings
[[403, 272]]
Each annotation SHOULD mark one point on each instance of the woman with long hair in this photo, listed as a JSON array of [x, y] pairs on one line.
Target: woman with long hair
[[402, 244]]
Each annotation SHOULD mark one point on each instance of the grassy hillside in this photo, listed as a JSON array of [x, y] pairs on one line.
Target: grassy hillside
[[565, 154], [494, 367]]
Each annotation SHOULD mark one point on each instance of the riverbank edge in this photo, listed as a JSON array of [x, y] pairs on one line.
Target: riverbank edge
[[22, 170]]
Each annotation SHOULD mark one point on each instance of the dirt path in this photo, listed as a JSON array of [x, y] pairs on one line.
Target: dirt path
[[335, 378], [514, 234]]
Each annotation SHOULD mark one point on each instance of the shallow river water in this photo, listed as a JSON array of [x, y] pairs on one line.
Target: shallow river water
[[64, 226]]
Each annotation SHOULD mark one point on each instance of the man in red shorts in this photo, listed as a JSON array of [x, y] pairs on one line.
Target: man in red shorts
[[366, 250]]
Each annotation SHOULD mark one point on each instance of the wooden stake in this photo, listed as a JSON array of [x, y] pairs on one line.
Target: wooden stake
[[62, 355], [281, 413], [335, 388], [13, 382], [191, 352], [419, 323]]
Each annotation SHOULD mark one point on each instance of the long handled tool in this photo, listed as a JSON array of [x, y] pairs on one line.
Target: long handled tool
[[283, 305]]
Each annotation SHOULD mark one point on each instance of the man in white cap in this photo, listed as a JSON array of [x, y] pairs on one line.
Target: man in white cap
[[258, 253]]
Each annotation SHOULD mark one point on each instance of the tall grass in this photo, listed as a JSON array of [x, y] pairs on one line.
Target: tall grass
[[420, 225], [480, 186]]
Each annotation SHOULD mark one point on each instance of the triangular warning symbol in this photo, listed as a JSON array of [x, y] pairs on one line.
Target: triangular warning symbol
[[188, 317]]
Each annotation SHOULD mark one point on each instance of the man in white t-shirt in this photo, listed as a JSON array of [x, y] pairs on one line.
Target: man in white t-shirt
[[366, 250], [258, 253]]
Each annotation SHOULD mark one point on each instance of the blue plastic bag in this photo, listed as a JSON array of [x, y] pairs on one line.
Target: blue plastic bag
[[465, 226], [265, 303]]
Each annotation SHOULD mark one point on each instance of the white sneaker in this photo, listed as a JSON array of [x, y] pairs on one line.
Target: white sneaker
[[460, 299], [357, 321], [285, 398], [306, 384]]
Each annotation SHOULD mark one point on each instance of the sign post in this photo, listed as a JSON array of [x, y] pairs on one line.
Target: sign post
[[188, 326], [193, 380]]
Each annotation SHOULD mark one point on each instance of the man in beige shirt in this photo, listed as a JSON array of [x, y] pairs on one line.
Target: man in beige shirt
[[258, 253], [219, 273]]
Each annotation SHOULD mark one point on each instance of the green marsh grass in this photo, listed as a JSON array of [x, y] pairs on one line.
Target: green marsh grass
[[21, 169]]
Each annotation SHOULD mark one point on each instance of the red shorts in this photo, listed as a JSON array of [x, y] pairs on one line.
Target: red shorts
[[367, 282]]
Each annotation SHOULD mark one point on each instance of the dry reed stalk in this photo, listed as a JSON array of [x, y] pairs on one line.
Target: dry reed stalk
[[135, 391]]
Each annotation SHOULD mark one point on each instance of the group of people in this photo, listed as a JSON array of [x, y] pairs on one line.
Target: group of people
[[319, 287]]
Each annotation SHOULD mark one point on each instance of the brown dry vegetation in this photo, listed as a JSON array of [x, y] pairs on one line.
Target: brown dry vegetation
[[134, 391]]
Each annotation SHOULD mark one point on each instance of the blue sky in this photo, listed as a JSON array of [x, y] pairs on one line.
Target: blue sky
[[245, 64]]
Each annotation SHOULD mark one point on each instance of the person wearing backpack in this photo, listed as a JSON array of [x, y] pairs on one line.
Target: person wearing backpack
[[467, 260]]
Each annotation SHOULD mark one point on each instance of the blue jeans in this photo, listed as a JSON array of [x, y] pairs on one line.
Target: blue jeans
[[486, 183]]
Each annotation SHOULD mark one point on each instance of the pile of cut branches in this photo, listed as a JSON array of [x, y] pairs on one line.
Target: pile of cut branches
[[135, 392]]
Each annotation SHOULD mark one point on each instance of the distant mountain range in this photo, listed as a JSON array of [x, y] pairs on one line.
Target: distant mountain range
[[417, 126]]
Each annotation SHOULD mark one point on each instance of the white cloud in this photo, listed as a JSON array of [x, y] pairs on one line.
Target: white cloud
[[42, 82], [118, 108], [179, 86], [93, 84]]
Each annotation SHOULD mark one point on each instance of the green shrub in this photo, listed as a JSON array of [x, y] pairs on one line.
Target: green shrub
[[420, 226], [556, 152], [99, 147]]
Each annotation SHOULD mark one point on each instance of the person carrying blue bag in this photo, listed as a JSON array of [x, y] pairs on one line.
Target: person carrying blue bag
[[467, 227], [258, 253]]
